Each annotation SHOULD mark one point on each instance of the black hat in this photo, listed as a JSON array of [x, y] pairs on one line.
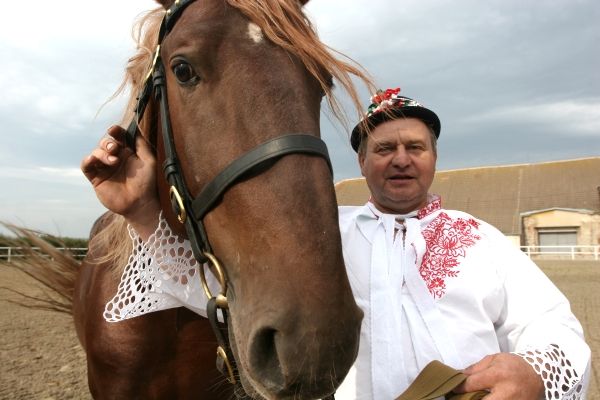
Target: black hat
[[389, 105]]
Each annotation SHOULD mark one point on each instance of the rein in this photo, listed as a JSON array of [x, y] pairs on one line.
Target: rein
[[191, 211]]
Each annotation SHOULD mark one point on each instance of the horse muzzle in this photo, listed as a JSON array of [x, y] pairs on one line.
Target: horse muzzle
[[303, 358]]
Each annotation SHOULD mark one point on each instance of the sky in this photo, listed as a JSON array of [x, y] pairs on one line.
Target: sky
[[512, 81]]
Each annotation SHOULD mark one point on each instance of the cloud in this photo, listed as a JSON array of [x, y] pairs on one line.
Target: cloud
[[41, 174], [54, 201], [577, 116]]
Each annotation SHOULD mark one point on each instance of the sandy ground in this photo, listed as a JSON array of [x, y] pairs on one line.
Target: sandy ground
[[40, 357]]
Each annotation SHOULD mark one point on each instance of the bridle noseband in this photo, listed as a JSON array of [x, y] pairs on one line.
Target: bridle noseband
[[191, 211]]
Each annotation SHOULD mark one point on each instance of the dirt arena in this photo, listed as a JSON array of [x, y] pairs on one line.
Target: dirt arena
[[40, 357]]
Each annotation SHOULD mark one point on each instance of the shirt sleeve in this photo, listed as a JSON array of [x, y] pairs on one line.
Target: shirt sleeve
[[160, 274], [537, 324]]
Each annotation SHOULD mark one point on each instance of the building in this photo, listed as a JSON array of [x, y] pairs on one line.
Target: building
[[544, 204]]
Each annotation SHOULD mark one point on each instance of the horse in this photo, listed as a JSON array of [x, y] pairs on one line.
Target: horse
[[237, 74]]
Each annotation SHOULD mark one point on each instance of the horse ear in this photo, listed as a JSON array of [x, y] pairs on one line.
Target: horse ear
[[303, 2], [166, 3]]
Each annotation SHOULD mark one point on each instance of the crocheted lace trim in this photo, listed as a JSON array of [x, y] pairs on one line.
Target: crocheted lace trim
[[561, 381], [159, 275]]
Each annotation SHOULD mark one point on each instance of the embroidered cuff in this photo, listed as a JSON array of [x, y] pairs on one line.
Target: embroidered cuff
[[561, 381], [158, 276]]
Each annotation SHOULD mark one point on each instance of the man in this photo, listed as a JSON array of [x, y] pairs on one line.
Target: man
[[441, 285], [434, 284]]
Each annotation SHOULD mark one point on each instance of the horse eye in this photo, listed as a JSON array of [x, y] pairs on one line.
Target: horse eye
[[184, 73]]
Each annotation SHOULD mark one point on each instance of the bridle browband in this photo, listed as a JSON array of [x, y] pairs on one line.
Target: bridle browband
[[191, 211]]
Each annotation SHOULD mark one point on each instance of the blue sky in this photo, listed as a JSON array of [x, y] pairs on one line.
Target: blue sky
[[512, 81]]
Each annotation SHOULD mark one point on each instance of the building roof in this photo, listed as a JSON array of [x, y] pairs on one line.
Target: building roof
[[499, 194], [569, 210]]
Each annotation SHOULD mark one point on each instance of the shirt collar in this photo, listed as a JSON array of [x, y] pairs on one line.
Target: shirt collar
[[434, 203], [380, 215], [370, 217]]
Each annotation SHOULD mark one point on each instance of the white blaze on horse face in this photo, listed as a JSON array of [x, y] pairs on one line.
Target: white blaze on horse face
[[255, 33]]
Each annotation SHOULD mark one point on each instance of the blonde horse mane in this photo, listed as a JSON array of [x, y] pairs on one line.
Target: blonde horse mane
[[284, 23]]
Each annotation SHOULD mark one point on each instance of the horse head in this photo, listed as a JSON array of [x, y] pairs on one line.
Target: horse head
[[238, 74]]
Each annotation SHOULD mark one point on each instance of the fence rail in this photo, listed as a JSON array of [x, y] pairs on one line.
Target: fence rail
[[571, 252], [10, 253]]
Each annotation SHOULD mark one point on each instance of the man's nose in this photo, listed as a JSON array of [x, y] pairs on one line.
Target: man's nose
[[401, 157]]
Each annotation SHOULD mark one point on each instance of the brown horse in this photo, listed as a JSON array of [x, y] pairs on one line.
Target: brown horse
[[238, 73]]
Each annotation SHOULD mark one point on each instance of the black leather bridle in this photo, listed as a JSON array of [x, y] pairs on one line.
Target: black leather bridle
[[191, 211]]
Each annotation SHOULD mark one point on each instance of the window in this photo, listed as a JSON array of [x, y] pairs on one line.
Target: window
[[556, 237]]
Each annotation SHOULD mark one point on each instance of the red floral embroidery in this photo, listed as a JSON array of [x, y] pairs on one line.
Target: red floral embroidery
[[446, 240], [432, 206]]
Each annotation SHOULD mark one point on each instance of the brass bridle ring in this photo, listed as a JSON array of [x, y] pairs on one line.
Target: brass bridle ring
[[174, 194], [221, 298], [221, 353]]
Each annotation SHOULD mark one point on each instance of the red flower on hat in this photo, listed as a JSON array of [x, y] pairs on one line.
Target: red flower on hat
[[390, 92], [388, 100], [381, 95]]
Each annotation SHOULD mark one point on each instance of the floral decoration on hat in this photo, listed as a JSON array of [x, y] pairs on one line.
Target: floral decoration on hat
[[387, 99]]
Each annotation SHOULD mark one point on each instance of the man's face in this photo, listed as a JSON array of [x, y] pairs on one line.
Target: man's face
[[399, 164]]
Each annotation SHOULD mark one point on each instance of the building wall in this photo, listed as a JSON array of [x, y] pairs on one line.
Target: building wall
[[590, 229], [586, 224]]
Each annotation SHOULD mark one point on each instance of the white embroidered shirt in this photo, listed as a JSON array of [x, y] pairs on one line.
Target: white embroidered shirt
[[443, 285]]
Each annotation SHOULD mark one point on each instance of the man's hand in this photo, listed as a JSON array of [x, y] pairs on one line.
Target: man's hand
[[506, 376], [124, 181]]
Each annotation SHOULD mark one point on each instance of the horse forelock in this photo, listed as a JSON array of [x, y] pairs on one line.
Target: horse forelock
[[284, 23]]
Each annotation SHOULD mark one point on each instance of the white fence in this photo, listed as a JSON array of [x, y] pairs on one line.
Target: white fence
[[570, 252], [10, 253]]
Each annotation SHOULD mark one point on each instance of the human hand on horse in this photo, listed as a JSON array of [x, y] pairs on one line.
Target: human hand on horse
[[506, 376], [124, 181]]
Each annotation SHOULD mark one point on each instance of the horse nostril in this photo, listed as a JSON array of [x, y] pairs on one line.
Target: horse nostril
[[265, 360]]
